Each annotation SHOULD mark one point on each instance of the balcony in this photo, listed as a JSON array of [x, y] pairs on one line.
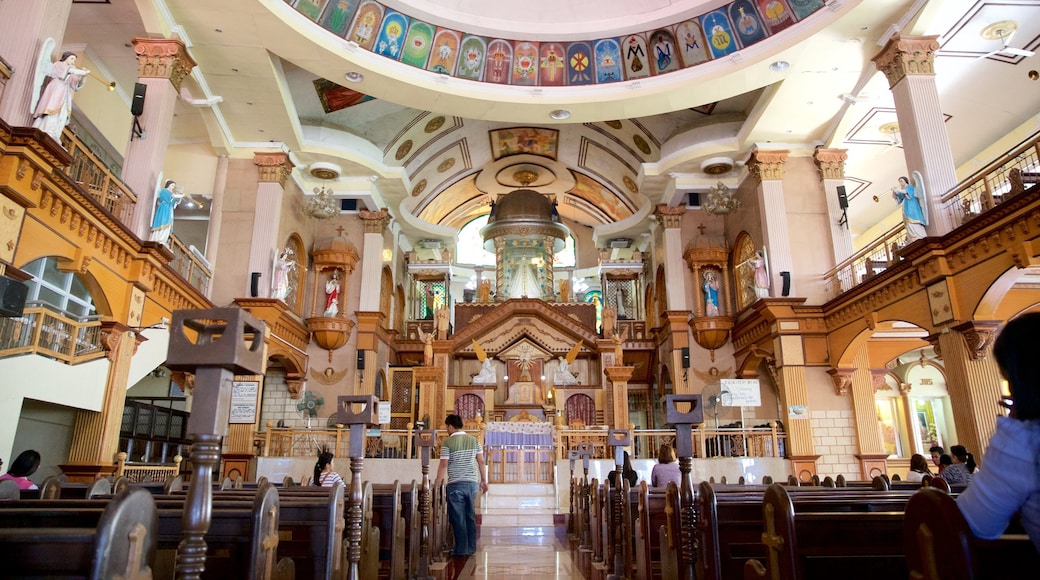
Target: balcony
[[43, 332]]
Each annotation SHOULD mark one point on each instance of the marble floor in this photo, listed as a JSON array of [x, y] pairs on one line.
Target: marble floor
[[518, 552]]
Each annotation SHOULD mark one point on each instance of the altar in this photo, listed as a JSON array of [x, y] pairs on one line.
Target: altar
[[524, 393], [518, 433]]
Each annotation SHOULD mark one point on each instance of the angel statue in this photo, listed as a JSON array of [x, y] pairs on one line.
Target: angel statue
[[915, 208], [53, 88], [427, 346], [563, 375], [487, 375], [284, 265]]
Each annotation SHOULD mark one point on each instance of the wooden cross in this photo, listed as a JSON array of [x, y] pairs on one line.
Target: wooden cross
[[270, 541], [702, 227], [134, 571], [770, 538], [340, 230]]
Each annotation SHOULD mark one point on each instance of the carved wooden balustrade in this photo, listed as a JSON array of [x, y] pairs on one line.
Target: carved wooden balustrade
[[43, 332]]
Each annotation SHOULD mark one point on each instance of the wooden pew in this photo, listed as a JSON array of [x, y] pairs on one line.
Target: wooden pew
[[121, 543], [939, 544]]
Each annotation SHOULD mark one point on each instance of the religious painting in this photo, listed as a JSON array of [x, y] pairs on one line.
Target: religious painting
[[746, 22], [636, 64], [334, 97], [417, 44], [499, 62], [663, 52], [471, 58], [719, 33], [598, 196], [803, 8], [525, 64], [311, 8], [550, 65], [608, 60], [517, 140], [693, 49], [580, 69], [444, 51], [391, 35], [776, 13], [365, 27], [337, 16]]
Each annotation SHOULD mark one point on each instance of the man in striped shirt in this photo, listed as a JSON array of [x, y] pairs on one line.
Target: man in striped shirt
[[462, 462]]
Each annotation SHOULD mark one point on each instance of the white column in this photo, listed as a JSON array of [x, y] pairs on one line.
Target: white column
[[375, 223], [670, 219], [831, 163], [768, 167], [274, 168], [216, 207]]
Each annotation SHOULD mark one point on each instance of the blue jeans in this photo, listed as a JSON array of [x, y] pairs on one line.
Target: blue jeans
[[462, 513]]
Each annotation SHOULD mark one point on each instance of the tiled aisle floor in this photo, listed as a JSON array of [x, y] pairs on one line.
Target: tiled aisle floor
[[529, 553]]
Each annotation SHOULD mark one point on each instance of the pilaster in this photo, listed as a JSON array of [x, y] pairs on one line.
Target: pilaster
[[273, 170], [871, 452], [973, 382], [768, 168], [671, 219], [374, 223], [831, 163], [908, 63], [162, 64], [618, 377]]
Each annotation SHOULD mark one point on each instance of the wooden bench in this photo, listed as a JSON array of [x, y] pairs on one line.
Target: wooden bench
[[939, 544], [121, 542]]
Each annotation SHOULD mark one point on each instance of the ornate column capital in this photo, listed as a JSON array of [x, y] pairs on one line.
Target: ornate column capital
[[933, 339], [375, 222], [842, 380], [273, 167], [877, 379], [907, 55], [112, 333], [768, 165], [978, 336], [831, 162], [669, 217], [163, 58]]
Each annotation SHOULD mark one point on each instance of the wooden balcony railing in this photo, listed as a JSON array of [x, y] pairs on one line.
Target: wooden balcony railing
[[41, 331], [191, 265], [999, 181], [141, 472], [97, 179]]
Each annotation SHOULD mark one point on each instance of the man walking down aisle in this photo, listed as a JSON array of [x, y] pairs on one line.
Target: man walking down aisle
[[462, 461]]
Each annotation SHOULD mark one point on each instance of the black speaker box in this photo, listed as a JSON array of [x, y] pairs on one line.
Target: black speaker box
[[137, 103], [843, 198], [686, 357], [12, 296], [786, 276], [361, 360], [254, 285]]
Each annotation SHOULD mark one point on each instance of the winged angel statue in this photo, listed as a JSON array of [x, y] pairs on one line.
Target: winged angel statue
[[487, 374], [564, 375], [915, 207]]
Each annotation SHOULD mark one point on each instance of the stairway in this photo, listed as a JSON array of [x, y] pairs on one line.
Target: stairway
[[509, 505]]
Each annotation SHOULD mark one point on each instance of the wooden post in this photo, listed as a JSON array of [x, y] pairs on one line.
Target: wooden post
[[359, 412], [619, 439], [120, 463], [223, 342], [267, 439], [684, 411], [424, 440]]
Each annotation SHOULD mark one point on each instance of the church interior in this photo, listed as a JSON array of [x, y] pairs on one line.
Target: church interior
[[545, 219]]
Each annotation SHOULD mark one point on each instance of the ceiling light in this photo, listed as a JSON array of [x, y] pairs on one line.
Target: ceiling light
[[780, 66], [720, 200], [717, 165], [560, 114], [354, 76]]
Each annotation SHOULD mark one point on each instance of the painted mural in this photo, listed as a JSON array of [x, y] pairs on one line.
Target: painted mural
[[334, 97], [506, 142], [398, 36]]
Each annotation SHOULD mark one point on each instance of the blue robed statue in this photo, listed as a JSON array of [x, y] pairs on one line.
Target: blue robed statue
[[915, 208]]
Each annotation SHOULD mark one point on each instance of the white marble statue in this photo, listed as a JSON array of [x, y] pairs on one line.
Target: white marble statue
[[487, 374]]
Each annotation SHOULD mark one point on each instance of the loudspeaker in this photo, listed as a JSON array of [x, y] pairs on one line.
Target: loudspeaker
[[686, 357], [137, 103], [786, 276], [361, 360], [12, 296], [843, 198], [254, 285]]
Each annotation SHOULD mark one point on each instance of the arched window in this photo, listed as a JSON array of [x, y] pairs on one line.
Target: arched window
[[62, 291]]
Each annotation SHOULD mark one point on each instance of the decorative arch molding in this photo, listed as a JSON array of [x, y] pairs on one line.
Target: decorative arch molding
[[295, 364]]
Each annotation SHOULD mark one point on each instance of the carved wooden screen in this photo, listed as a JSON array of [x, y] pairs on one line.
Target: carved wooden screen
[[469, 406], [580, 407], [743, 272], [402, 398]]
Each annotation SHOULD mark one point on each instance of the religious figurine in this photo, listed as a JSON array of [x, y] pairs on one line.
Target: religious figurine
[[484, 291], [915, 208], [427, 347], [609, 316], [487, 374], [619, 352], [563, 375], [58, 81], [283, 265], [711, 293], [332, 295], [162, 223], [441, 316], [761, 274]]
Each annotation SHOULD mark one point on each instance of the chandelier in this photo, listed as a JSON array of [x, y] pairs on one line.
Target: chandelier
[[720, 200], [322, 205]]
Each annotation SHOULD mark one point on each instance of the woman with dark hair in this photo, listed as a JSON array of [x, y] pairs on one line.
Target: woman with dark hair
[[666, 469], [324, 476], [627, 472], [1009, 481], [22, 467], [918, 468]]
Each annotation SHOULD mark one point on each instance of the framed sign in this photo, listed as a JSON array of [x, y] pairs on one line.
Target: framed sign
[[742, 393], [244, 397]]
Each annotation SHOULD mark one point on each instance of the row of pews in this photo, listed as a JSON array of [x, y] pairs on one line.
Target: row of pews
[[115, 528], [785, 531]]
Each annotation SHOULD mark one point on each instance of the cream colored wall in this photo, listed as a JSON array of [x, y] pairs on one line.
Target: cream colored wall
[[108, 111], [808, 227], [231, 277]]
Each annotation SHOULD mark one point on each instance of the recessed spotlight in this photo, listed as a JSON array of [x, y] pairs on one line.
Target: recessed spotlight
[[780, 66], [218, 30], [260, 130], [234, 70], [249, 102], [560, 114], [354, 76], [1033, 75]]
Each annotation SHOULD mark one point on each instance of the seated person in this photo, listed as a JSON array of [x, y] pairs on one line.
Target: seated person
[[627, 472], [667, 468], [918, 468], [22, 467]]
